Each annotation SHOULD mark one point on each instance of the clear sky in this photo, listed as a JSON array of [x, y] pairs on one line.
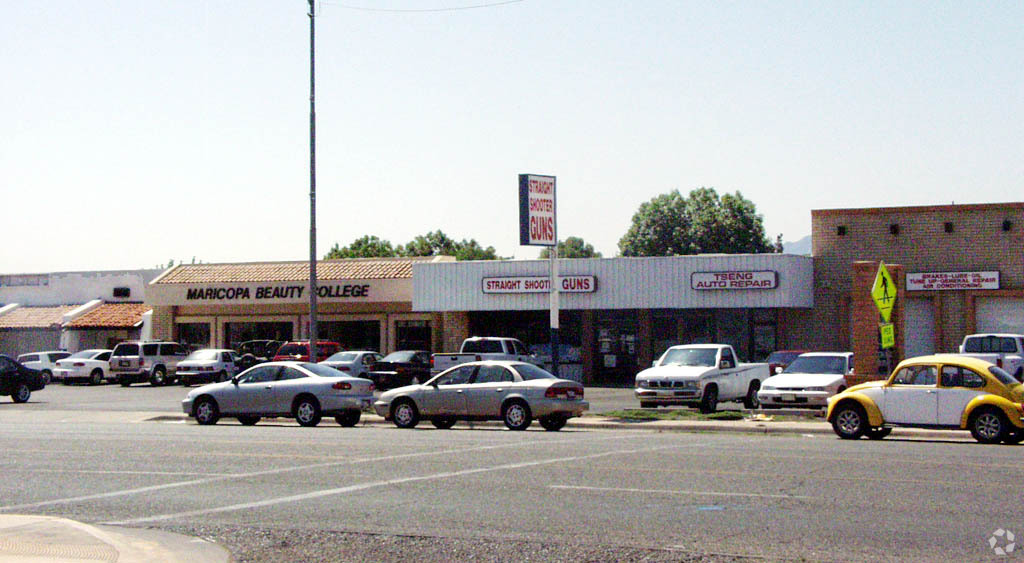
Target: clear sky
[[134, 133]]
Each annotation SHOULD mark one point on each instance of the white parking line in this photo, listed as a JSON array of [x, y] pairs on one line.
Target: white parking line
[[139, 490], [387, 483], [679, 492]]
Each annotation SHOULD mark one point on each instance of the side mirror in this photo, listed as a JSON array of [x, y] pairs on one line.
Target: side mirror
[[724, 364], [234, 381]]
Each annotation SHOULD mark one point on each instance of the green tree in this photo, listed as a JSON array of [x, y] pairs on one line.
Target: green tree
[[367, 246], [572, 247], [701, 223], [437, 243]]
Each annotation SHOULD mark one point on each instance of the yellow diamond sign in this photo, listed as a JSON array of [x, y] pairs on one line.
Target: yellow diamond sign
[[883, 291]]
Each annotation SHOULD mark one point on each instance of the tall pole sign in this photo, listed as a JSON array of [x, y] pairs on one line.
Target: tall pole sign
[[538, 227]]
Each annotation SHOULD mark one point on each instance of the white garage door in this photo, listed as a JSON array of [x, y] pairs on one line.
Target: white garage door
[[919, 327], [999, 314]]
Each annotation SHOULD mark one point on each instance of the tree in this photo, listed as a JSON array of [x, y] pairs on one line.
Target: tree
[[439, 244], [367, 246], [572, 247], [702, 223]]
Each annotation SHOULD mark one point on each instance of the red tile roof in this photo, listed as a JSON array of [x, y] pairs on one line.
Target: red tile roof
[[111, 315], [35, 317], [350, 269]]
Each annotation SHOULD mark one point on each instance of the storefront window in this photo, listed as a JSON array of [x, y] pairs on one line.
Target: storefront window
[[237, 333], [194, 335], [352, 335], [413, 335]]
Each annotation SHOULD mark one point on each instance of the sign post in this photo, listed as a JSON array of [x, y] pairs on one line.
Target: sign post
[[537, 227], [883, 293]]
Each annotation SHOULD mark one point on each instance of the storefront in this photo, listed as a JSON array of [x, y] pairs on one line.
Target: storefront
[[362, 304], [617, 315]]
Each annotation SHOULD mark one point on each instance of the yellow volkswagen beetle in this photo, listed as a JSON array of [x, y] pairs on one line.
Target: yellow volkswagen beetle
[[943, 391]]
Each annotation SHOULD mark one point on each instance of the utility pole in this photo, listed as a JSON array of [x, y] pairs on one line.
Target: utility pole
[[312, 188]]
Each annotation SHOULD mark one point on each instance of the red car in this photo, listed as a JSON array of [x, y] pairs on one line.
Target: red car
[[299, 351], [779, 359]]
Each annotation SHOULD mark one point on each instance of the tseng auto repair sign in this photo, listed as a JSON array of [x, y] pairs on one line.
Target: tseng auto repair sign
[[537, 210]]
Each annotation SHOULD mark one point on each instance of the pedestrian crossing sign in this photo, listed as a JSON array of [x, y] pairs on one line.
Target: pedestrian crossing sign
[[884, 292]]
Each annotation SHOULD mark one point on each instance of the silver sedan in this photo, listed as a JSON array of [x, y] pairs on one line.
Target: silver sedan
[[300, 390], [514, 392]]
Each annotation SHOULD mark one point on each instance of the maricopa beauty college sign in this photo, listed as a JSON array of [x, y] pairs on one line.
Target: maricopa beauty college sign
[[375, 290]]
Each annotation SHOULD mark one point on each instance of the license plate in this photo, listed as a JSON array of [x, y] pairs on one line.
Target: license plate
[[789, 397], [124, 363]]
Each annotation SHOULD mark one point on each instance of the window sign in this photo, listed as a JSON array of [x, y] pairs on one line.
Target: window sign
[[938, 281]]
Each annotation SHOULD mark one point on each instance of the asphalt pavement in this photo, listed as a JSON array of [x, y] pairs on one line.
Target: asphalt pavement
[[31, 538]]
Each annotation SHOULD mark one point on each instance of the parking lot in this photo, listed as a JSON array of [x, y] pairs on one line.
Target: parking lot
[[278, 492]]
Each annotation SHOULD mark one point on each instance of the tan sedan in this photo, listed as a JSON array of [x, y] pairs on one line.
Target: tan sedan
[[514, 392]]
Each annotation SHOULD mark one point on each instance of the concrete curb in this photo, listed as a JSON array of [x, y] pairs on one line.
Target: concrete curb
[[48, 538], [745, 426]]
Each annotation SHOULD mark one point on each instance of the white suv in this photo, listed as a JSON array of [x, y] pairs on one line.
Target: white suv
[[137, 362], [45, 362]]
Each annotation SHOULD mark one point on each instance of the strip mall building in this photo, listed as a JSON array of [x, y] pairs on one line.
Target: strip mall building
[[959, 269]]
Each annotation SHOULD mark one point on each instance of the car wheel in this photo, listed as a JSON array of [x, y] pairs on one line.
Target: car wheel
[[988, 426], [206, 411], [648, 405], [553, 423], [307, 411], [405, 414], [248, 420], [877, 433], [516, 415], [47, 376], [22, 393], [222, 376], [849, 421], [709, 402], [159, 377], [96, 377], [751, 401], [1014, 437], [443, 422], [348, 418]]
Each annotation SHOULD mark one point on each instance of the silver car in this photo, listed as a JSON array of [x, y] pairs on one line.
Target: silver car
[[299, 390], [208, 365], [353, 362], [514, 392]]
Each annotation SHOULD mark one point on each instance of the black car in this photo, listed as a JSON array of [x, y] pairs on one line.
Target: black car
[[19, 381], [254, 352], [397, 369]]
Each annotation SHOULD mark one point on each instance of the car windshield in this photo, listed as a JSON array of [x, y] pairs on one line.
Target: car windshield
[[322, 370], [817, 364], [204, 355], [402, 356], [83, 355], [1004, 377], [482, 347], [293, 350], [690, 357], [530, 371], [342, 357]]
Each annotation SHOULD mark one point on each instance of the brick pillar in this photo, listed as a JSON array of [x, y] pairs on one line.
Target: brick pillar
[[162, 323], [646, 336], [864, 319], [455, 330]]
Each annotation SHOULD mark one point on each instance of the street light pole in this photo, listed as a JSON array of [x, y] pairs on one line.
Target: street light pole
[[312, 189]]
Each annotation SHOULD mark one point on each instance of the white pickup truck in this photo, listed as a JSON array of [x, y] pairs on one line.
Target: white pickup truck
[[700, 375], [479, 348], [1003, 350]]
